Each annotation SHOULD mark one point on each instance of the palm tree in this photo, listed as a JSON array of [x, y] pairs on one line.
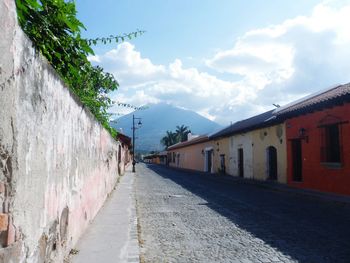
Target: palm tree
[[169, 139], [182, 132]]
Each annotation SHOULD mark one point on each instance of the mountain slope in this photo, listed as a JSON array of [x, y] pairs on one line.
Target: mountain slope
[[157, 119]]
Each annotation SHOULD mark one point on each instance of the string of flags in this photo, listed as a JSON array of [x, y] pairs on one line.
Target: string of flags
[[127, 105]]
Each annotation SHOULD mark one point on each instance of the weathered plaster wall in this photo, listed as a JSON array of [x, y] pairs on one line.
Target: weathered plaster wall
[[221, 147], [263, 138], [124, 158], [57, 164], [243, 141]]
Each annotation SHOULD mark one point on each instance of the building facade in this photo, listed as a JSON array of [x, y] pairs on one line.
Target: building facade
[[195, 154], [124, 156], [253, 148], [241, 151], [305, 144], [270, 153], [221, 155], [156, 158], [318, 141]]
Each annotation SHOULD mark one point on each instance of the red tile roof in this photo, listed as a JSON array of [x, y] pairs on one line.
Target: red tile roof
[[340, 92], [255, 122], [199, 139]]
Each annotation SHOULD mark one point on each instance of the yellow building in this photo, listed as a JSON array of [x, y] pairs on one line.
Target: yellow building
[[194, 154], [270, 153], [221, 154], [254, 148]]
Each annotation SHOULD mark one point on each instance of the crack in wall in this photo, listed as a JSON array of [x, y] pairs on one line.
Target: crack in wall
[[5, 196]]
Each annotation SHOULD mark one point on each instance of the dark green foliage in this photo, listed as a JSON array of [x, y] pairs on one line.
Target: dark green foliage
[[171, 138], [56, 32], [182, 132]]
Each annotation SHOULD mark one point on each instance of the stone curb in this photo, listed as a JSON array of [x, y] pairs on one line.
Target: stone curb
[[133, 249]]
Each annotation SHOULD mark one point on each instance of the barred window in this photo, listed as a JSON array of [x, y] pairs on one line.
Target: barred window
[[331, 143]]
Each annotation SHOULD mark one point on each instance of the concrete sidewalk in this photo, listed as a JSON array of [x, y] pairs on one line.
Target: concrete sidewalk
[[112, 236]]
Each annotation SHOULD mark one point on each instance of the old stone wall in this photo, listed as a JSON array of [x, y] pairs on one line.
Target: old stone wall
[[57, 164]]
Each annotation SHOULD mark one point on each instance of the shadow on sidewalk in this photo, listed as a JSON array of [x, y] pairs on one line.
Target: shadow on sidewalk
[[307, 229]]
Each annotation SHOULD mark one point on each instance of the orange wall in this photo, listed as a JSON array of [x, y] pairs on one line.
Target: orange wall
[[191, 157], [316, 175]]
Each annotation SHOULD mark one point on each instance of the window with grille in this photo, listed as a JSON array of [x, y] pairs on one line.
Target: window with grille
[[331, 143]]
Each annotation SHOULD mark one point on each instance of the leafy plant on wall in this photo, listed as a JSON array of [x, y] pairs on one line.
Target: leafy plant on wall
[[53, 27]]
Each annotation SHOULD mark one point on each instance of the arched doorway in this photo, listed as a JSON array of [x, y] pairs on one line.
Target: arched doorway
[[272, 163]]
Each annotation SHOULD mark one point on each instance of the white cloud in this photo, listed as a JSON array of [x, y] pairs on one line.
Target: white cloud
[[142, 82], [276, 64], [128, 66], [300, 54], [255, 60]]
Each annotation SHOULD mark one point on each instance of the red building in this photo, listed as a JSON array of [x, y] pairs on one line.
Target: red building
[[318, 141]]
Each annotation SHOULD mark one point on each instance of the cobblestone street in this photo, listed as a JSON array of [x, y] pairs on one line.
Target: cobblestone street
[[188, 217]]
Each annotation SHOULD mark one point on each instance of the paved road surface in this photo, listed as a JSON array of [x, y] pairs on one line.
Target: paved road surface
[[187, 217]]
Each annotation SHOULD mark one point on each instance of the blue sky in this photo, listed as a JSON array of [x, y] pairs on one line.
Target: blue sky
[[184, 28], [223, 59]]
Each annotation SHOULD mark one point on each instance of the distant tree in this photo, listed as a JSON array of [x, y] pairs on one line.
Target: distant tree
[[180, 135], [182, 132], [169, 139]]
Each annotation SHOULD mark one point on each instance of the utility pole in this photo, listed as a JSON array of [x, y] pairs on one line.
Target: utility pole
[[133, 139]]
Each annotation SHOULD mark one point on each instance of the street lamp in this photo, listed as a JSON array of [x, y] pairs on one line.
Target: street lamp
[[133, 139]]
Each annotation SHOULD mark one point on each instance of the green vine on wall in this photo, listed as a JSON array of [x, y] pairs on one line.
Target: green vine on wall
[[116, 39], [53, 27]]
